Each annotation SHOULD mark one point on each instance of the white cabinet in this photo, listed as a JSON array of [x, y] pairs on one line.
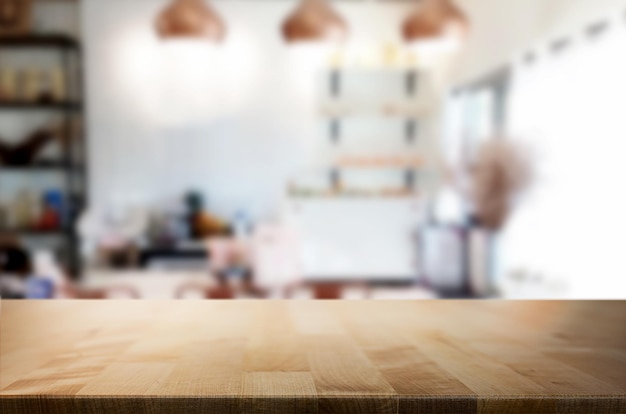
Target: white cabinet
[[356, 239]]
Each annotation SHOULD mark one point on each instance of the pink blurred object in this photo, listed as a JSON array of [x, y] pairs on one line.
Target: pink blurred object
[[276, 258], [228, 251]]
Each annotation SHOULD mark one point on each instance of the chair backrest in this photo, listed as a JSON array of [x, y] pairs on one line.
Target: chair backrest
[[327, 291], [220, 292], [275, 260]]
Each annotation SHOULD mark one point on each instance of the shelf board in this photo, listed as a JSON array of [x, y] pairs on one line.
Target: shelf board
[[34, 232], [349, 165], [41, 166], [30, 106], [374, 116], [406, 111], [360, 197], [376, 69], [40, 41]]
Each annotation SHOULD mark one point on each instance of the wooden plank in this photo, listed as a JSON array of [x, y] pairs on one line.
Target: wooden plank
[[128, 379], [275, 346], [358, 404], [517, 405], [401, 364], [479, 373], [523, 361], [135, 405], [341, 369], [604, 366], [597, 405], [438, 405], [284, 392], [212, 367]]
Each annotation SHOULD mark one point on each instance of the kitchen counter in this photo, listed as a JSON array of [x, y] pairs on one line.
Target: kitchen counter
[[312, 357]]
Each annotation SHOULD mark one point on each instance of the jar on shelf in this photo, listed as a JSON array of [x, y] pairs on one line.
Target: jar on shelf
[[29, 85], [45, 93], [8, 84], [24, 210], [58, 85], [4, 215]]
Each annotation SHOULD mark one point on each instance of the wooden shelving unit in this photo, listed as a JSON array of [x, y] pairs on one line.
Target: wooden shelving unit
[[411, 82]]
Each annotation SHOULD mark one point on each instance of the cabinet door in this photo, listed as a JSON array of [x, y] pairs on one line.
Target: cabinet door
[[357, 239]]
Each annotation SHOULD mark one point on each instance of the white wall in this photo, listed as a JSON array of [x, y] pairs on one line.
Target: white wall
[[238, 122], [503, 29], [235, 122], [562, 237], [567, 108]]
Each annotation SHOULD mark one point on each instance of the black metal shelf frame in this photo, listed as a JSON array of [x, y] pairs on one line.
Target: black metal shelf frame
[[75, 170]]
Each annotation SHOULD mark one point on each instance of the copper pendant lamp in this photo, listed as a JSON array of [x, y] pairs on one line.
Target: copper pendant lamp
[[190, 19], [314, 20], [435, 19]]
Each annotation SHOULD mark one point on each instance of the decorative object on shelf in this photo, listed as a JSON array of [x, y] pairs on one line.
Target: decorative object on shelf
[[28, 149], [242, 225], [112, 235], [8, 85], [4, 215], [436, 21], [391, 55], [201, 223], [33, 85], [53, 212], [163, 229], [58, 85], [15, 17], [45, 93], [190, 19], [24, 210], [30, 82], [313, 21], [25, 152]]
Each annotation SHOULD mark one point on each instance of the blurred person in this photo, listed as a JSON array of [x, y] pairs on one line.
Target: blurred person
[[230, 270], [23, 276], [15, 268]]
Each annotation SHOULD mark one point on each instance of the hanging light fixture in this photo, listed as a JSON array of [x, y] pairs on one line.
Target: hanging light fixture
[[314, 20], [436, 21], [190, 19]]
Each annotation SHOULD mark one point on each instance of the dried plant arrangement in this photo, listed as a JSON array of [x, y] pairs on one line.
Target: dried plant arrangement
[[501, 172]]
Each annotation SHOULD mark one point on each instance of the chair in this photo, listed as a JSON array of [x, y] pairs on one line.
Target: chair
[[221, 291]]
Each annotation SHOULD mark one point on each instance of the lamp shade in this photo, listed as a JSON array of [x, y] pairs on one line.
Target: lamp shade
[[314, 20], [435, 19], [190, 19]]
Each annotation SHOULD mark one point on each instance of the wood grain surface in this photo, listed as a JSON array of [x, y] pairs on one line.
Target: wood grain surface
[[312, 357]]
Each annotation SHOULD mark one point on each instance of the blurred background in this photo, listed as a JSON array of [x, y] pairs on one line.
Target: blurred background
[[382, 149]]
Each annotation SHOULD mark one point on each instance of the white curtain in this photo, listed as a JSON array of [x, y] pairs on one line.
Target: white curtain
[[570, 108]]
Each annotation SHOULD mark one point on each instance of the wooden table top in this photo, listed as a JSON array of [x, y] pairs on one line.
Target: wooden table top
[[312, 357]]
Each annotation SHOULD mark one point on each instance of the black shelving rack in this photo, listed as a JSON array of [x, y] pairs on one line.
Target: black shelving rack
[[73, 162]]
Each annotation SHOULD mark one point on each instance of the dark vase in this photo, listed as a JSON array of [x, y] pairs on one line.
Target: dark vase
[[25, 152]]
